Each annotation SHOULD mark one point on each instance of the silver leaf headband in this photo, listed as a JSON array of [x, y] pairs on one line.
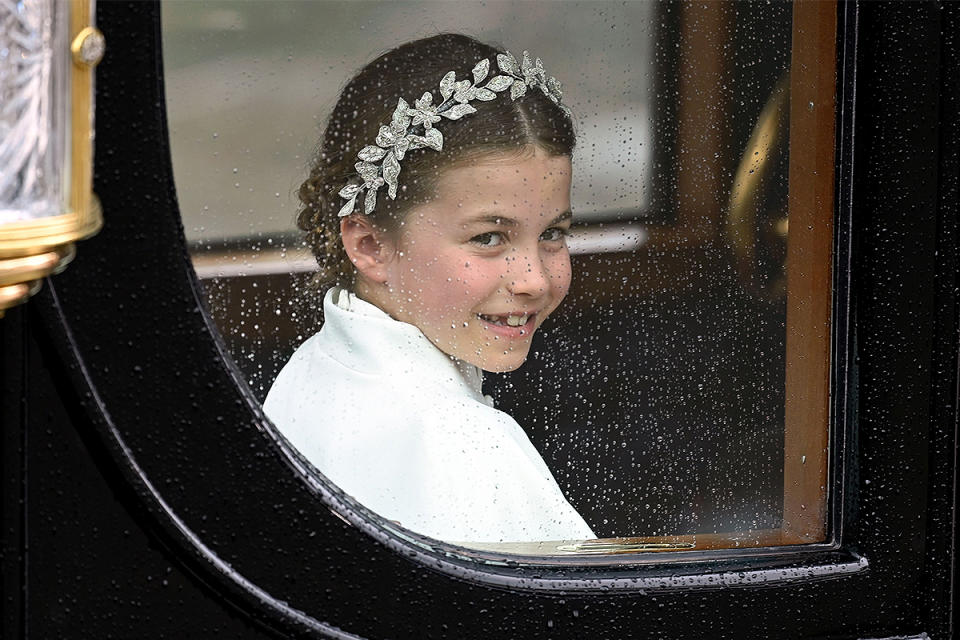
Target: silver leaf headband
[[380, 163]]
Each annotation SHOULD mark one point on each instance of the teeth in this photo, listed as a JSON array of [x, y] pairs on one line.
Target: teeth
[[510, 321]]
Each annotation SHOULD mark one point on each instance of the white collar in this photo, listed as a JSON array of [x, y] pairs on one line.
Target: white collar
[[365, 338]]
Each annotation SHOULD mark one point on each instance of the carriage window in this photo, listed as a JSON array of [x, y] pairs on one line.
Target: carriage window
[[677, 396]]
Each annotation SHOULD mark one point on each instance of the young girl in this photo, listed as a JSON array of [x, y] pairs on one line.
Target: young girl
[[437, 208]]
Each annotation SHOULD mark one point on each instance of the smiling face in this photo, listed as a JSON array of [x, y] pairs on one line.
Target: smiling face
[[482, 265]]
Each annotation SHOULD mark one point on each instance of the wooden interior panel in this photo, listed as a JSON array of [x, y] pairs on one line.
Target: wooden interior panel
[[809, 247]]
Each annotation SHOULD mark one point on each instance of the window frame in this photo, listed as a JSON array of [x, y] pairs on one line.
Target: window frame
[[680, 235]]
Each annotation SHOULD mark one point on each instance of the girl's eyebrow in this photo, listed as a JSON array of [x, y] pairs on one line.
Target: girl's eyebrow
[[491, 218], [505, 221]]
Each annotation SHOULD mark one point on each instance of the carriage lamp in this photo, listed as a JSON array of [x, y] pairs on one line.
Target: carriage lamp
[[48, 51]]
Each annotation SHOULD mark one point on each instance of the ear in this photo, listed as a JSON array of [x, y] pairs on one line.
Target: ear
[[368, 248]]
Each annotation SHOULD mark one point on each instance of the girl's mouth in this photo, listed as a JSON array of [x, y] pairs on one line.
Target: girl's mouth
[[509, 320], [510, 325]]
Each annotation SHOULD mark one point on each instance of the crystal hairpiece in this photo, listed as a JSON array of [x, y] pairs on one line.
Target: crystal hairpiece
[[380, 163]]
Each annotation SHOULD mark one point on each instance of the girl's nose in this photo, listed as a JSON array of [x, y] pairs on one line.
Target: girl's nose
[[528, 274]]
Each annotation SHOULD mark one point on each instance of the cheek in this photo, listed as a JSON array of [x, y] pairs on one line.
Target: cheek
[[560, 274], [449, 284], [473, 280]]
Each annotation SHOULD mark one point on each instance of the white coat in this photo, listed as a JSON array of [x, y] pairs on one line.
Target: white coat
[[404, 429]]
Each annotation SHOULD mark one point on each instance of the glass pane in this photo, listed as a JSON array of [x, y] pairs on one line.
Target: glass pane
[[661, 402]]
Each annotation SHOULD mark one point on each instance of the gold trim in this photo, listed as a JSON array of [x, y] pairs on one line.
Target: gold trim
[[20, 278], [28, 268], [81, 148], [30, 237], [14, 294], [76, 47]]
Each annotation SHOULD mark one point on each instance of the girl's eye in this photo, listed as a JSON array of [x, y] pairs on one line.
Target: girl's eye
[[554, 234], [489, 239]]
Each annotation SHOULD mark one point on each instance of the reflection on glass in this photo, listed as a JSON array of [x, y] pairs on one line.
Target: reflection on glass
[[652, 399]]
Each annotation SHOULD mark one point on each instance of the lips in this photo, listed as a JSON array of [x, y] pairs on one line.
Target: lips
[[512, 325]]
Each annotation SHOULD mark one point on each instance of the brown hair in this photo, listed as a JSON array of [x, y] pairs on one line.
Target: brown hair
[[368, 101]]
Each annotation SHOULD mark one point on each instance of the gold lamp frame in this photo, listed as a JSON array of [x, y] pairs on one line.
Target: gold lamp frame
[[31, 250]]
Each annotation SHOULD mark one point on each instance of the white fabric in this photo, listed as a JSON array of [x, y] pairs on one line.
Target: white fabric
[[405, 430]]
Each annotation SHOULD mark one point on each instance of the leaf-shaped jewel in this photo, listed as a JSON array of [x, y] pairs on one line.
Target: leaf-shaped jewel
[[391, 169], [484, 94], [370, 202], [480, 71], [554, 85], [369, 172], [539, 72], [347, 209], [349, 191], [424, 101], [401, 147], [499, 83], [457, 111], [433, 139], [526, 65], [507, 63], [463, 91], [387, 137], [517, 90], [400, 117], [447, 84], [543, 88], [371, 153]]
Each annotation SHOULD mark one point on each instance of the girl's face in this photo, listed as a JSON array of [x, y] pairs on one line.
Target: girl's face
[[481, 266]]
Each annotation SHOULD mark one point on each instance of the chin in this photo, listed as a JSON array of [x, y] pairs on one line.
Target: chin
[[502, 363], [501, 369]]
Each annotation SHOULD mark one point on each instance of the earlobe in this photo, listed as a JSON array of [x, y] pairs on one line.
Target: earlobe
[[366, 247]]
